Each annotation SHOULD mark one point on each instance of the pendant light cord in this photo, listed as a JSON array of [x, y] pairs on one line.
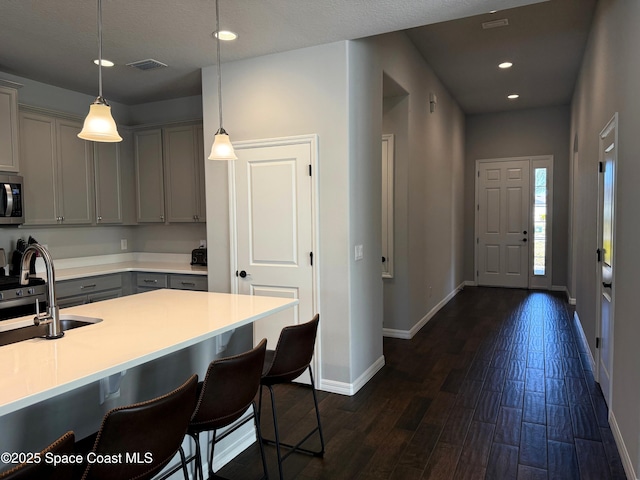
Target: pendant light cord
[[100, 48], [218, 58]]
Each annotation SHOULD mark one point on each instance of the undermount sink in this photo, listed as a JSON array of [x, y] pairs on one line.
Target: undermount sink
[[67, 322]]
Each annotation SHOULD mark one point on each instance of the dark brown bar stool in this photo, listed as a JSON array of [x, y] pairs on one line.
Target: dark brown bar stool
[[44, 470], [155, 427], [287, 362], [228, 390]]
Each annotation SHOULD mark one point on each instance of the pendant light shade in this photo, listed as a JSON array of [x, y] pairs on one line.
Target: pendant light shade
[[99, 126], [222, 148]]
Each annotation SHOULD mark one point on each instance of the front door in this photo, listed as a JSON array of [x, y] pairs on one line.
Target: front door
[[606, 217], [274, 228], [503, 223]]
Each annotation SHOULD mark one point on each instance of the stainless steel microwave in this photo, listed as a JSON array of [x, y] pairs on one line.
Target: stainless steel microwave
[[11, 211]]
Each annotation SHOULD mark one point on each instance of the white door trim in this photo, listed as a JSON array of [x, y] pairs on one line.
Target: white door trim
[[611, 124], [533, 160], [312, 141]]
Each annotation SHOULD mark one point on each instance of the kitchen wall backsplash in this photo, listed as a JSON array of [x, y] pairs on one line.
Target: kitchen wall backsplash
[[74, 242]]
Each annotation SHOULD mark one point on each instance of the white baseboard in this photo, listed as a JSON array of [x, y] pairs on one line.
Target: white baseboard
[[409, 334], [622, 448], [583, 338], [562, 288], [470, 283], [343, 388]]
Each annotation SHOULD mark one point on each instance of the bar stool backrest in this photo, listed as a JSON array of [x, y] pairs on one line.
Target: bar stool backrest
[[293, 353], [155, 427], [229, 387]]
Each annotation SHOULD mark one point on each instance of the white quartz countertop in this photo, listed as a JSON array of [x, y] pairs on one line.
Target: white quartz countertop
[[72, 268], [129, 266], [135, 329]]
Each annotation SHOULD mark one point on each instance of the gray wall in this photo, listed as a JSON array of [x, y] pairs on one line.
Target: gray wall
[[608, 83], [540, 131], [429, 165]]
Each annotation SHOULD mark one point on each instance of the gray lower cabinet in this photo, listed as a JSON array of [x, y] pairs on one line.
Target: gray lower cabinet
[[146, 281], [104, 287], [90, 289]]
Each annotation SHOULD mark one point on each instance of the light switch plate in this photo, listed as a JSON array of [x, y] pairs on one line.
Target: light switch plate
[[123, 244], [358, 252]]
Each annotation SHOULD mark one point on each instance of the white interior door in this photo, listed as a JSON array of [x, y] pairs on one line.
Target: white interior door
[[274, 228], [503, 210], [606, 228]]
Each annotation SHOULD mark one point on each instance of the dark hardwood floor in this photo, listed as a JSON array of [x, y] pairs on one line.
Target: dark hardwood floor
[[496, 386]]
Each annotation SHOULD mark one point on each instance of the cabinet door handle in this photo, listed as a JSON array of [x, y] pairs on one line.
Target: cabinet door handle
[[146, 280], [188, 284], [93, 285], [162, 218]]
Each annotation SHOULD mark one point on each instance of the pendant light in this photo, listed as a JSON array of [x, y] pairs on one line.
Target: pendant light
[[99, 126], [221, 148]]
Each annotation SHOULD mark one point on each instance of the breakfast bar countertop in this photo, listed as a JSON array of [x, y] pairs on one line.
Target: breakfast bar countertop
[[135, 329]]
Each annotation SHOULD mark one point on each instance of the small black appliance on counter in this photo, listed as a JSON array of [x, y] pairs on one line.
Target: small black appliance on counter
[[199, 257]]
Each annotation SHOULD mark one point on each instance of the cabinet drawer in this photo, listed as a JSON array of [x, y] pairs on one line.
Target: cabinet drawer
[[151, 280], [188, 282], [87, 285], [108, 295]]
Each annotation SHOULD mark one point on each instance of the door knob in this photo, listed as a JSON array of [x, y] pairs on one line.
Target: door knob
[[243, 274], [607, 284], [524, 232], [524, 240], [384, 259]]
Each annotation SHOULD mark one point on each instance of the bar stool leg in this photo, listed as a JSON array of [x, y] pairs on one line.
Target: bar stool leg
[[256, 421], [277, 432], [315, 402]]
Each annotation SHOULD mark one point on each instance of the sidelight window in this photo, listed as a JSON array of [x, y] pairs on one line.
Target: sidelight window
[[540, 227]]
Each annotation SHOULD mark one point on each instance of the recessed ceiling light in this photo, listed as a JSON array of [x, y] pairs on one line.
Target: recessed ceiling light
[[226, 35], [513, 96], [506, 65], [105, 62]]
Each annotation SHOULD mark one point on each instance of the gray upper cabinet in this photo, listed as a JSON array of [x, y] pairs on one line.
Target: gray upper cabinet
[[58, 171], [75, 174], [9, 160], [108, 186], [184, 179], [149, 176], [169, 165]]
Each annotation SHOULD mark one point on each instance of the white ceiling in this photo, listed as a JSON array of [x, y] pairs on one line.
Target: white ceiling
[[55, 41]]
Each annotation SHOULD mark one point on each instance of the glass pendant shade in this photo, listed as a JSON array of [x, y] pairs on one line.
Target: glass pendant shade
[[222, 148], [99, 126]]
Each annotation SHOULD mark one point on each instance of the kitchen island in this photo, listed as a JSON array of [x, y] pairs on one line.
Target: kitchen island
[[135, 330]]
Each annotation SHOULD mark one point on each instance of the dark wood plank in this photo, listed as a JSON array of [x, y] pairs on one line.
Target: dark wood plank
[[592, 460], [562, 463], [533, 445], [503, 462]]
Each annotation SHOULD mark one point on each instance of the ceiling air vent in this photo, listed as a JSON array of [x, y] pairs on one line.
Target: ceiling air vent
[[148, 64], [503, 22]]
